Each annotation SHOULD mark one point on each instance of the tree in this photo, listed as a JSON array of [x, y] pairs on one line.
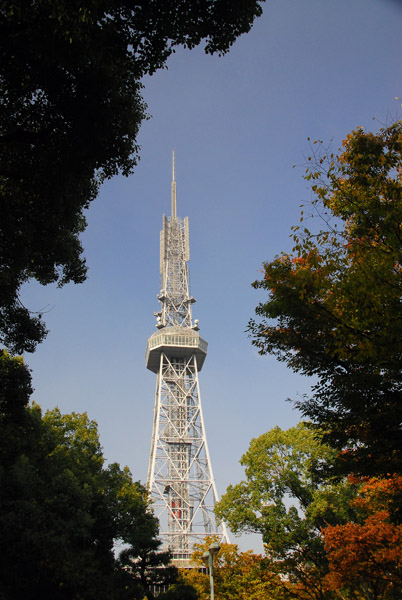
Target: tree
[[334, 305], [15, 386], [61, 509], [179, 591], [237, 575], [148, 568], [70, 74], [365, 555], [285, 499]]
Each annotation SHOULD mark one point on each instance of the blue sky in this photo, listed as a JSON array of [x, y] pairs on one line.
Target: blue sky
[[238, 124]]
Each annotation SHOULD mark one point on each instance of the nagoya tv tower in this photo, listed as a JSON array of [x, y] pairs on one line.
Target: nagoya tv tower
[[180, 479]]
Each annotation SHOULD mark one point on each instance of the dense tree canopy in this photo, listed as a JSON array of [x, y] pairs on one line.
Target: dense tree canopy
[[323, 538], [286, 500], [15, 386], [61, 509], [70, 77], [334, 305], [365, 555]]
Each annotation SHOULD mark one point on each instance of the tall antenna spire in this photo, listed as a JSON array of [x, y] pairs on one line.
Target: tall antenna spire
[[173, 187]]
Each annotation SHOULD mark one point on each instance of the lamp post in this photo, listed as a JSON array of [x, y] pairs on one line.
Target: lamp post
[[208, 558]]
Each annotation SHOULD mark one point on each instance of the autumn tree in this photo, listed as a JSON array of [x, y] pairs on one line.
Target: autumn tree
[[286, 500], [334, 305], [237, 575], [365, 555], [70, 77]]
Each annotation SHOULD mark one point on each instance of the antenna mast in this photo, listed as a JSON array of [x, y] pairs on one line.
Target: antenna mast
[[173, 187]]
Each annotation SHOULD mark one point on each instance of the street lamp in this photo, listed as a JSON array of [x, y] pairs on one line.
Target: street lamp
[[208, 558]]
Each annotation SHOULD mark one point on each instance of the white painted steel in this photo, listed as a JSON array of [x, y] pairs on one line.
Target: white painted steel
[[180, 478]]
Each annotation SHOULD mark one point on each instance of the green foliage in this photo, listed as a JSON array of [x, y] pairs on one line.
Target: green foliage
[[15, 386], [147, 569], [334, 305], [144, 563], [70, 75], [286, 500], [62, 510], [179, 591]]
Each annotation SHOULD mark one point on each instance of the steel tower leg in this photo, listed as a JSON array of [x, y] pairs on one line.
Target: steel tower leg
[[180, 479]]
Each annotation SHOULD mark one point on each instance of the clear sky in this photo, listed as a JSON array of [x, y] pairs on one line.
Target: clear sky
[[238, 124]]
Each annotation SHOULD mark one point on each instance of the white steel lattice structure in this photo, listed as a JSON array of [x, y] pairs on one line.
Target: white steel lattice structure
[[180, 479]]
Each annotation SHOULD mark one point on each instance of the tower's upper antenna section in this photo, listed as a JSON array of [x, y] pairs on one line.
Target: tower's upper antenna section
[[173, 187], [175, 253]]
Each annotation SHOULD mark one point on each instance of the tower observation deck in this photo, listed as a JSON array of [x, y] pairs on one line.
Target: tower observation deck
[[180, 479]]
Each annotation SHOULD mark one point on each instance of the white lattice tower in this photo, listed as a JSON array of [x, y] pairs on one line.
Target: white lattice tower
[[180, 479]]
